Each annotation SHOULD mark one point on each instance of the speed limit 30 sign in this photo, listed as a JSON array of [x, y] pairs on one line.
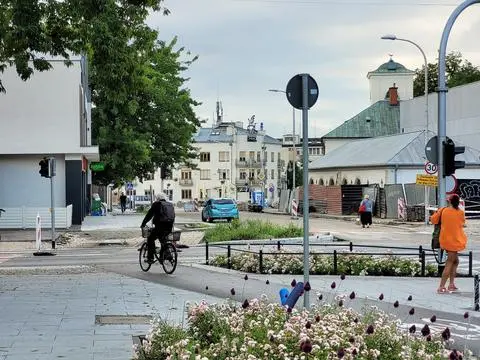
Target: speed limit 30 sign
[[431, 168]]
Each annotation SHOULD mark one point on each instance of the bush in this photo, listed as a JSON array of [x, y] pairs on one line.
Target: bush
[[259, 330], [284, 262], [251, 229]]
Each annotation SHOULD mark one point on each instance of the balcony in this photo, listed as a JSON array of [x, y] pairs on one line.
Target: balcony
[[242, 182], [250, 164], [185, 182]]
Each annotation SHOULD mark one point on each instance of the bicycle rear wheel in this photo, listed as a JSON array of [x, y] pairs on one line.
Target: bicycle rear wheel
[[142, 258], [169, 258]]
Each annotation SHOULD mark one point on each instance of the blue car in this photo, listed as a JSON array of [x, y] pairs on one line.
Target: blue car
[[219, 209]]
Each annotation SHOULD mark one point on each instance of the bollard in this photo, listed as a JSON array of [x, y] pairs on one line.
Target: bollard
[[423, 263], [260, 262], [278, 245], [206, 252], [351, 246], [476, 293], [335, 265], [470, 263], [420, 249], [229, 258]]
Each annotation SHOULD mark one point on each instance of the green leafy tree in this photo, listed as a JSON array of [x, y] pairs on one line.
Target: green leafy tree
[[298, 175], [458, 72]]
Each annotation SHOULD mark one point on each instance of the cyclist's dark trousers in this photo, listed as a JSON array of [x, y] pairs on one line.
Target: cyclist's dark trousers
[[160, 231]]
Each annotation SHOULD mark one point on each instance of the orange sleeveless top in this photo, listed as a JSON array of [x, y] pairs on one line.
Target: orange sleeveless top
[[452, 236]]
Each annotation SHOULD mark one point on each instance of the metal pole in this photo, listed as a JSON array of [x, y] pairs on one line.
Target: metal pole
[[442, 98], [294, 156], [52, 198], [306, 250]]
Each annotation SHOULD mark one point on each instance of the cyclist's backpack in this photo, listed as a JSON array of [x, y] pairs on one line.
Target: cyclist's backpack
[[168, 212]]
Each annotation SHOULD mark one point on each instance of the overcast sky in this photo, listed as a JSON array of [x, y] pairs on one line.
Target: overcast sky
[[246, 47]]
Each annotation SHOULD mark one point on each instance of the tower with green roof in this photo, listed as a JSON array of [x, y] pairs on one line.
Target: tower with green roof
[[388, 74]]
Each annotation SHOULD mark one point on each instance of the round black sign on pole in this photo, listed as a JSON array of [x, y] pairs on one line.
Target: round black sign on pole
[[295, 92]]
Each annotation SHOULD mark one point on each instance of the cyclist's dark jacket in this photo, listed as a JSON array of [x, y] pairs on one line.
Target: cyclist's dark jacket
[[156, 212]]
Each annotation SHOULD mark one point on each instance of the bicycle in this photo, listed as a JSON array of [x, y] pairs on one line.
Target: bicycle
[[166, 254]]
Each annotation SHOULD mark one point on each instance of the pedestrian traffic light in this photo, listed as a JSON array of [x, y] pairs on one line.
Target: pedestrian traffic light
[[165, 172], [44, 167], [449, 153]]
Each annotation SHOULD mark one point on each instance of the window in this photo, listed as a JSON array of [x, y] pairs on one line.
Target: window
[[204, 156], [223, 174], [187, 194], [314, 151], [223, 156], [251, 155], [205, 174], [272, 174], [149, 176], [147, 192], [186, 175], [243, 156], [243, 175], [251, 174], [272, 157], [223, 201], [279, 157], [258, 156]]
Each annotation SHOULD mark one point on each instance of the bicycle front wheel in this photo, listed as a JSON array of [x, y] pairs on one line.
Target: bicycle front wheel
[[169, 258], [142, 258]]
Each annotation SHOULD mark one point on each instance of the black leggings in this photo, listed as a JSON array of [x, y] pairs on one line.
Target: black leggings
[[159, 232]]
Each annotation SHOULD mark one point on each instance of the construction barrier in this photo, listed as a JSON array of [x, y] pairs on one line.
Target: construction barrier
[[294, 208]]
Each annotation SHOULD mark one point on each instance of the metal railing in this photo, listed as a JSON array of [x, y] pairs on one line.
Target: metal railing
[[185, 182], [420, 252]]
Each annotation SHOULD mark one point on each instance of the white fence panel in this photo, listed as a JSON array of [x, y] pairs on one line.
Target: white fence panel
[[25, 218]]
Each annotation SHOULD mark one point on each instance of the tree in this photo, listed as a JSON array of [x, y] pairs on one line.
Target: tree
[[143, 113], [458, 72], [298, 175]]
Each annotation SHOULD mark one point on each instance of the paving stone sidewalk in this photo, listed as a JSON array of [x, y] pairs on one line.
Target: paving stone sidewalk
[[47, 317]]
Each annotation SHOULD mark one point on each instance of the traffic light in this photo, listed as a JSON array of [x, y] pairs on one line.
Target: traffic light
[[449, 153], [44, 167], [165, 172]]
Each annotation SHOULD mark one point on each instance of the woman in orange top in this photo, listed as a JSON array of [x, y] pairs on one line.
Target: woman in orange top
[[452, 239]]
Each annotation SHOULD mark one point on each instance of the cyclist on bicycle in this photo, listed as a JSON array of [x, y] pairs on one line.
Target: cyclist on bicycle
[[163, 214]]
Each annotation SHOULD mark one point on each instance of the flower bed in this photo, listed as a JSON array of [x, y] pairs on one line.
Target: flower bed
[[259, 330], [284, 262]]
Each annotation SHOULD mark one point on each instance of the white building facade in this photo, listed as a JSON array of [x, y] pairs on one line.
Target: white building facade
[[47, 116], [232, 162]]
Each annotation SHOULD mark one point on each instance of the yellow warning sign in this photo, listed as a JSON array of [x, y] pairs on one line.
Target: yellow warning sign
[[427, 180]]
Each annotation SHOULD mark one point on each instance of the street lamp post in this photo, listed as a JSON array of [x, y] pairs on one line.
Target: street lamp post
[[294, 148], [393, 37]]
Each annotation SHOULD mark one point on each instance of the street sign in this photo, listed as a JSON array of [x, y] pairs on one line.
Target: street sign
[[427, 180], [261, 177], [129, 186], [295, 92], [97, 166], [451, 184], [431, 150], [431, 168]]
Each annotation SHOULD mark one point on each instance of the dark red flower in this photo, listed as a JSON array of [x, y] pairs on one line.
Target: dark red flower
[[267, 282], [396, 304], [293, 283], [352, 295], [454, 355], [307, 346], [429, 338], [426, 330], [320, 297], [412, 311], [446, 334], [465, 316], [370, 329], [342, 277], [307, 286], [410, 298], [340, 303], [341, 353], [351, 340], [232, 291], [272, 338], [333, 285], [433, 318], [308, 325], [355, 320], [381, 297], [412, 329], [317, 318], [354, 352], [289, 310], [245, 277], [245, 304]]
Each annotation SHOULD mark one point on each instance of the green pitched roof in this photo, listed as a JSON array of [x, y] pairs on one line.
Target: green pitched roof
[[391, 67], [384, 120]]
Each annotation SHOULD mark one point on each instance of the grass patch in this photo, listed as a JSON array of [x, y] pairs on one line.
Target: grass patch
[[251, 229]]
